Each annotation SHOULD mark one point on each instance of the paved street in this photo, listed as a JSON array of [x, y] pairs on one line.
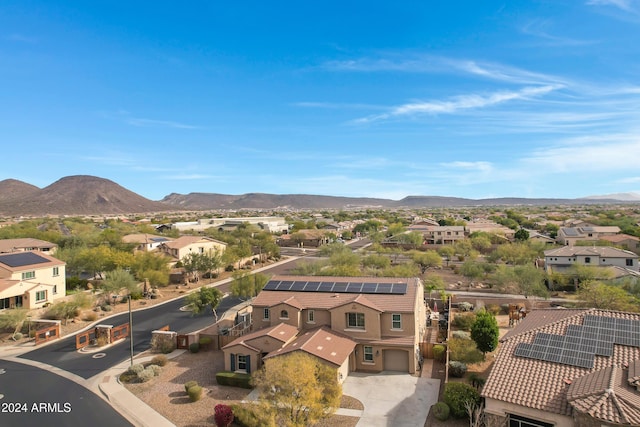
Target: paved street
[[32, 396]]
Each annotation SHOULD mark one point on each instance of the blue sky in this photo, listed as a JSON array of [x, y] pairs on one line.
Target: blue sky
[[378, 99]]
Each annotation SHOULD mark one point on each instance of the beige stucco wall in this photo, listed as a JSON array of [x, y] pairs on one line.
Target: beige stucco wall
[[371, 321], [240, 350], [500, 408], [265, 344], [293, 314], [44, 280], [407, 321], [321, 318]]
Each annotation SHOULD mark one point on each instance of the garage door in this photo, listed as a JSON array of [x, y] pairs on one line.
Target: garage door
[[396, 360]]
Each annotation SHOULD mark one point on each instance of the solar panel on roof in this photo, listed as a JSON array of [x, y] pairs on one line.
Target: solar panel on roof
[[325, 287], [384, 288], [312, 286], [369, 288], [21, 259], [340, 287], [298, 286], [285, 285], [354, 288]]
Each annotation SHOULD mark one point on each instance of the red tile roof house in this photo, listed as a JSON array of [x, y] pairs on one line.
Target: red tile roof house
[[376, 326], [568, 367]]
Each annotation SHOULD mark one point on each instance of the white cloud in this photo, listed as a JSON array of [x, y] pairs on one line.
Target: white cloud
[[158, 123], [620, 4], [190, 177], [540, 28], [458, 103]]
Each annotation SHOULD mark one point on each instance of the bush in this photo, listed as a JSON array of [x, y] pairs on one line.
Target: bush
[[223, 415], [252, 416], [476, 381], [234, 379], [18, 336], [464, 350], [195, 393], [155, 369], [106, 307], [457, 369], [464, 320], [205, 341], [465, 306], [194, 347], [493, 309], [439, 353], [160, 360], [101, 341], [504, 308], [190, 384], [456, 395], [441, 411], [90, 316], [146, 375], [137, 368], [463, 335]]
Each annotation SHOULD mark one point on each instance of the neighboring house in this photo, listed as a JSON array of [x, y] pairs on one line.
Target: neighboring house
[[440, 234], [184, 245], [30, 279], [312, 238], [27, 244], [371, 323], [568, 236], [567, 368], [625, 241], [539, 237], [272, 224], [145, 242], [560, 259], [489, 227]]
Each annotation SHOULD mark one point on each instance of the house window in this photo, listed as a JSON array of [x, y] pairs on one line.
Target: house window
[[368, 353], [284, 314], [629, 262], [311, 316], [55, 289], [56, 271], [5, 303], [41, 296], [587, 260], [201, 250], [242, 362], [28, 275], [355, 320], [396, 321], [266, 314], [518, 421]]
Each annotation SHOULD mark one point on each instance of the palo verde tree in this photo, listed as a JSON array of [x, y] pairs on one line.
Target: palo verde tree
[[199, 301], [245, 285], [426, 260], [13, 319], [299, 388], [485, 332], [116, 281]]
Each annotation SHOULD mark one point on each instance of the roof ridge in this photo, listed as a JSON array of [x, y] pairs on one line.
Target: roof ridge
[[581, 312]]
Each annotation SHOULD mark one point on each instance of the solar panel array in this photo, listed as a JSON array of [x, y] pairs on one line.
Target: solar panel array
[[581, 343], [20, 259], [339, 287]]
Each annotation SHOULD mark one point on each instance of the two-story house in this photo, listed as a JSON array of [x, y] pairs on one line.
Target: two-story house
[[185, 245], [440, 235], [354, 323], [570, 235], [145, 242], [27, 244], [30, 279], [560, 259]]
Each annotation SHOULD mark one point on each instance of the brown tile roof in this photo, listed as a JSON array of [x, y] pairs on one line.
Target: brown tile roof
[[323, 300], [322, 343], [183, 241], [281, 332], [10, 245], [607, 396], [619, 238], [540, 384], [50, 261], [603, 251]]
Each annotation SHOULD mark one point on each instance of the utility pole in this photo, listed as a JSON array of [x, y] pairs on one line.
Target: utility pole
[[130, 330]]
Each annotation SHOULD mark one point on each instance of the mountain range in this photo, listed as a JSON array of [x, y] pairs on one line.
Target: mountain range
[[90, 195]]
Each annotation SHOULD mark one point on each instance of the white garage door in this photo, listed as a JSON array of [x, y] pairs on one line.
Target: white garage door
[[396, 360]]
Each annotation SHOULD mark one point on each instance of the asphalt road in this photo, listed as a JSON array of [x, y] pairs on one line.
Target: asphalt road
[[30, 396], [63, 354]]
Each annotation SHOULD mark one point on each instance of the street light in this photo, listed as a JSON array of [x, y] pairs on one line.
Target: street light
[[130, 330]]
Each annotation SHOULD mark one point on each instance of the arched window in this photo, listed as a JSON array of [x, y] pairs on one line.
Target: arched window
[[284, 314]]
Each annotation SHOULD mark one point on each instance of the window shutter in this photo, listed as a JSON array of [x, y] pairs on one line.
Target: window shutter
[[248, 364], [233, 362]]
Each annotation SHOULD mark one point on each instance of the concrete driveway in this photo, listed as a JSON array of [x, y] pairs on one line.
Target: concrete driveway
[[392, 398]]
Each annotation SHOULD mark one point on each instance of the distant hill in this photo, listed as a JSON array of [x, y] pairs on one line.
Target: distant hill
[[626, 197], [73, 195], [90, 195]]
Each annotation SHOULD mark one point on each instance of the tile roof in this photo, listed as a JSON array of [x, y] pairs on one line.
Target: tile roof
[[620, 238], [19, 261], [10, 245], [323, 300], [603, 251], [183, 241], [322, 343], [281, 332], [541, 384]]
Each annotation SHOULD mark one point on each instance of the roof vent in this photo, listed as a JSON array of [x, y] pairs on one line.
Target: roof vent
[[567, 381]]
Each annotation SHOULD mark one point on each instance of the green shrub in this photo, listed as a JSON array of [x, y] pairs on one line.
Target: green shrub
[[252, 416], [194, 347], [205, 341], [195, 393], [465, 306], [464, 350], [190, 384], [476, 381], [457, 369], [439, 352], [146, 375], [137, 368], [494, 309], [456, 395], [464, 320], [106, 307], [155, 369], [160, 360], [463, 335], [18, 336], [504, 308], [234, 379], [441, 411]]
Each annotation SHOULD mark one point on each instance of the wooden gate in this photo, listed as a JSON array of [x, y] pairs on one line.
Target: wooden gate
[[85, 338], [47, 334], [182, 341], [119, 332]]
